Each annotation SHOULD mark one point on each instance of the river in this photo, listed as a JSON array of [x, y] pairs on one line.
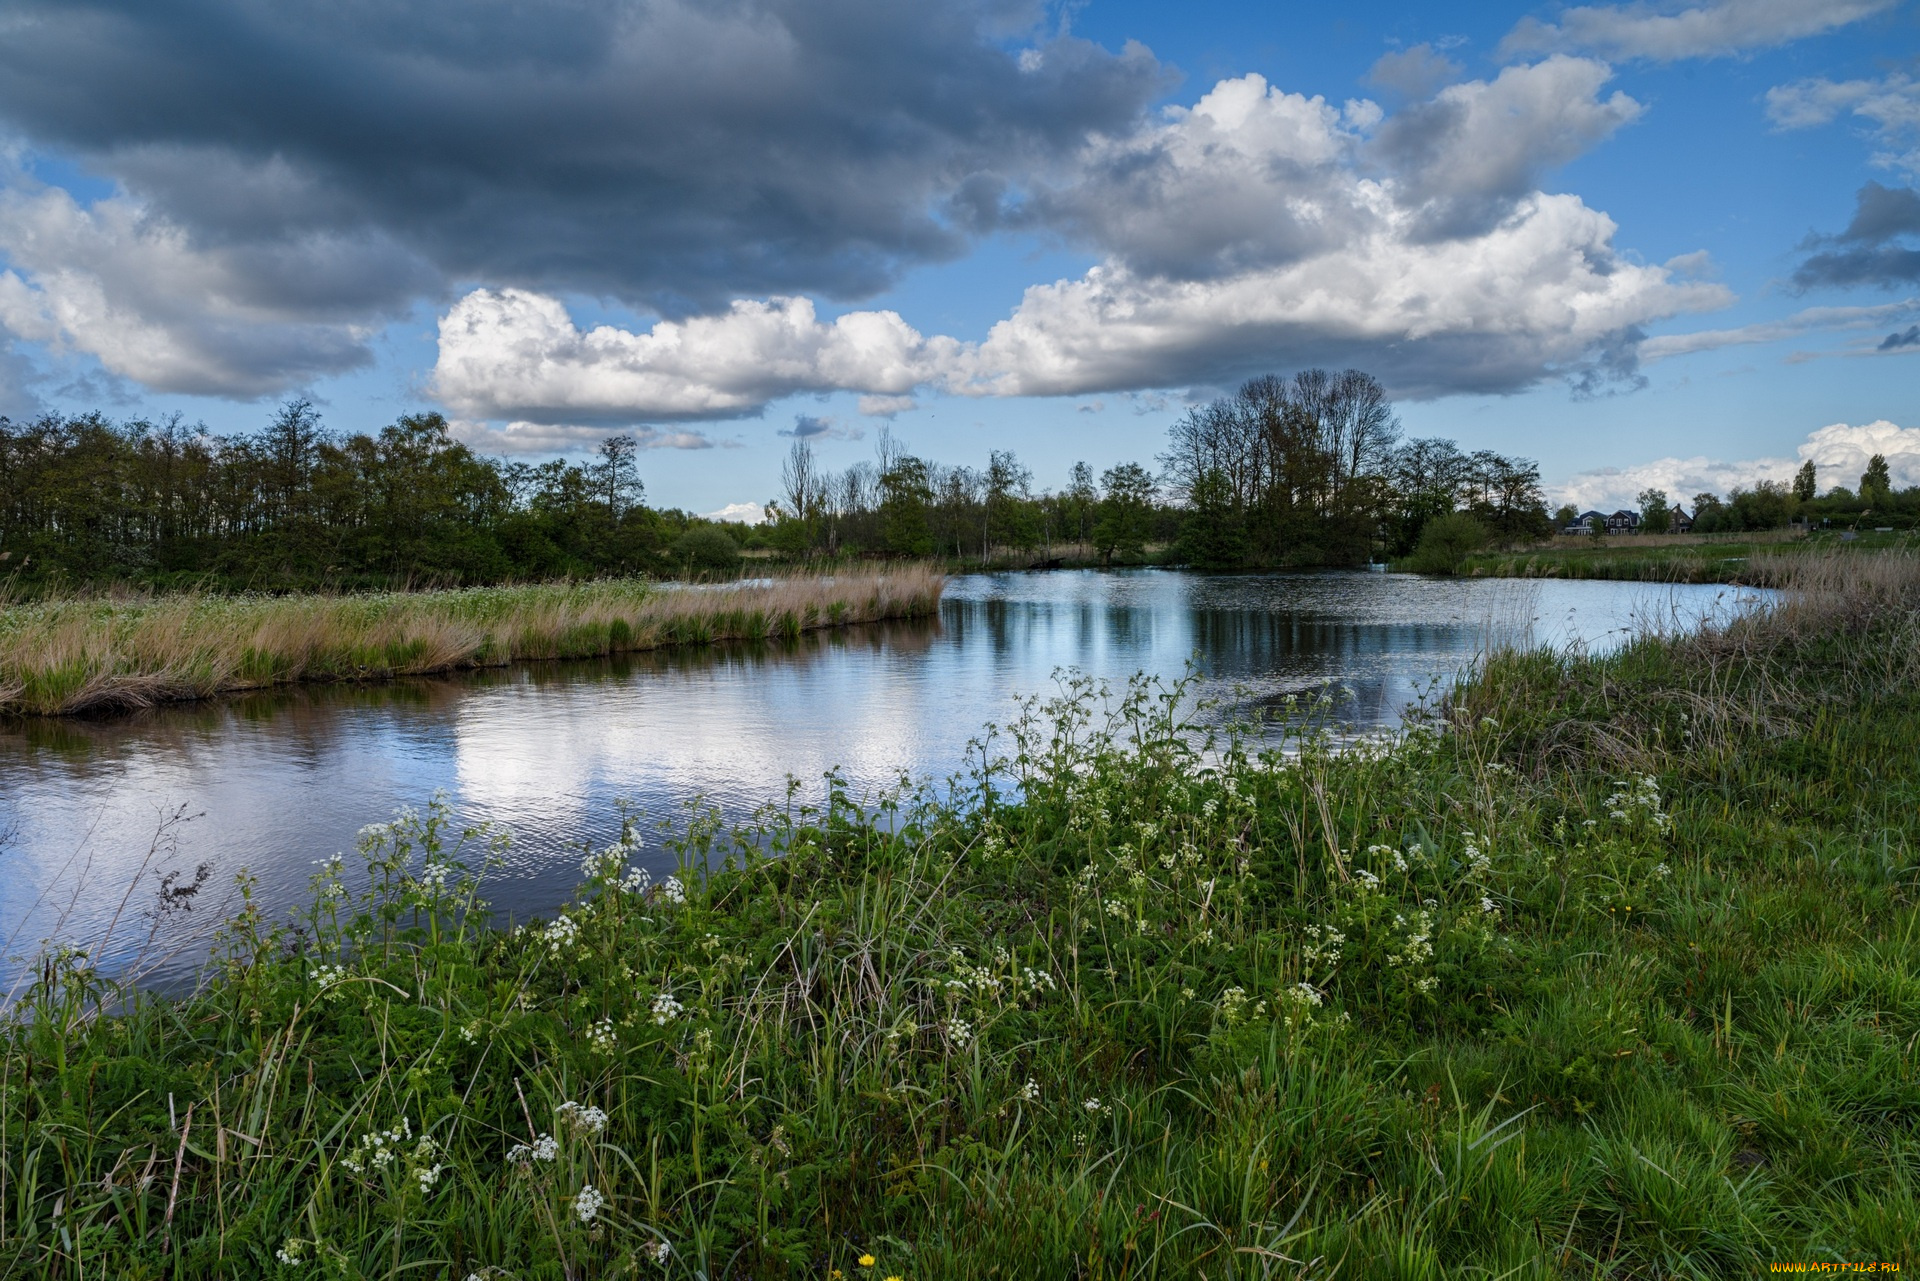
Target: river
[[272, 782]]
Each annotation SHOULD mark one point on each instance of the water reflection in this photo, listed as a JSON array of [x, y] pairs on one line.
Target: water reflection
[[275, 781]]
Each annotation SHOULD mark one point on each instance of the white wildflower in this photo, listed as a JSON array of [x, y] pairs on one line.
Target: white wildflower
[[960, 1032], [659, 1252], [544, 1148], [560, 934], [588, 1202], [672, 890], [602, 1037], [1030, 1092], [581, 1118], [293, 1253], [666, 1009]]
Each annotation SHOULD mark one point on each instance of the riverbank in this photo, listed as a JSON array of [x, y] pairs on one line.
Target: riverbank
[[1608, 970], [94, 654], [1712, 558]]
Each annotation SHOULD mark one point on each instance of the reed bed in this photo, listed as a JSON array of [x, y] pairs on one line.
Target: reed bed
[[97, 654]]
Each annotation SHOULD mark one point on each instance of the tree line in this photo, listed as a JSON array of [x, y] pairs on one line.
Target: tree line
[[1773, 504], [1296, 472], [84, 498], [1299, 472]]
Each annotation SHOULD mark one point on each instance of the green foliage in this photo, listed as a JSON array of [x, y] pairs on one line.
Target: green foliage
[[1598, 974], [1656, 516], [708, 550], [1446, 542], [1124, 518]]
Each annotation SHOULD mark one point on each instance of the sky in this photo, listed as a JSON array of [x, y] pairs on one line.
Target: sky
[[1669, 245]]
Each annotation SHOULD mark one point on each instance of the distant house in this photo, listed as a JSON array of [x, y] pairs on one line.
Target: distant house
[[1623, 522], [1678, 521], [1584, 523]]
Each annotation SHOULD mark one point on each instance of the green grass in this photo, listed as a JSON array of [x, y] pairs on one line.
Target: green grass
[[1719, 558], [1612, 970]]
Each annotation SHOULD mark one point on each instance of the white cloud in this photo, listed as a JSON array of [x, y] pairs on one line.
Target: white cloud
[[529, 438], [1666, 33], [1839, 453], [744, 513], [132, 290], [1892, 105], [887, 406], [513, 352], [1256, 230], [1534, 296], [1800, 324]]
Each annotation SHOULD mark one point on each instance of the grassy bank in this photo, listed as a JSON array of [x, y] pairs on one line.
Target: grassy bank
[[1712, 558], [1613, 970], [102, 653]]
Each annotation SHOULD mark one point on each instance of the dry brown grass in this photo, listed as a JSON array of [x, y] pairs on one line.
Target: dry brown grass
[[100, 654], [1845, 629]]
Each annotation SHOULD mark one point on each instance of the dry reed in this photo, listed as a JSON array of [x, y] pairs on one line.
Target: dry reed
[[77, 656]]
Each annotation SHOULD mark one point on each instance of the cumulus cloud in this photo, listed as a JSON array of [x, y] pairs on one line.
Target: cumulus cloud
[[1466, 156], [1799, 325], [522, 439], [1839, 453], [670, 153], [1413, 72], [1669, 32], [514, 353], [887, 406], [1541, 294], [1891, 105], [132, 289], [1255, 230], [741, 513], [1881, 246]]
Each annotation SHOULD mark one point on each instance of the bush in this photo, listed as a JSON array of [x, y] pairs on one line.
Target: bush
[[1445, 542], [706, 548]]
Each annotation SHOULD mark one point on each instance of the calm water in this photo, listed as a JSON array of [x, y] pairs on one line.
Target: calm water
[[273, 782]]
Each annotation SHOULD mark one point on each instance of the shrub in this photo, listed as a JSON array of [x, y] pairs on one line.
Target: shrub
[[706, 548], [1445, 542]]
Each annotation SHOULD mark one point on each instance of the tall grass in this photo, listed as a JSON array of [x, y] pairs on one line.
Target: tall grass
[[1491, 998], [93, 654]]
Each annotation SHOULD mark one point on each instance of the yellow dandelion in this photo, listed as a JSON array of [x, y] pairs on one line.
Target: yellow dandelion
[[866, 1260]]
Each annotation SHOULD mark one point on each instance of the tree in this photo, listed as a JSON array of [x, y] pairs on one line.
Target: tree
[[1656, 517], [1077, 503], [1805, 483], [1125, 513], [1876, 483], [798, 481], [1211, 537], [1446, 542], [617, 475]]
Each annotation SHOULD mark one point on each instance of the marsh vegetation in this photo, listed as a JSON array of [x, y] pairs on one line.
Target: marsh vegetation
[[1607, 969], [109, 652]]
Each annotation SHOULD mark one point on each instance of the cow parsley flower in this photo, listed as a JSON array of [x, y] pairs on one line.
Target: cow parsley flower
[[666, 1009], [588, 1202], [581, 1118]]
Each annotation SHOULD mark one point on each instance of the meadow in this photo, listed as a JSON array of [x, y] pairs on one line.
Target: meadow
[[106, 652], [1608, 967], [1672, 558]]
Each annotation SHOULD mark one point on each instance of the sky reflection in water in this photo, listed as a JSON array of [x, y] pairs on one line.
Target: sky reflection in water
[[276, 781]]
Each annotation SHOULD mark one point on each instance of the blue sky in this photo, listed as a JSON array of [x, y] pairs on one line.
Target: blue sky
[[1667, 244]]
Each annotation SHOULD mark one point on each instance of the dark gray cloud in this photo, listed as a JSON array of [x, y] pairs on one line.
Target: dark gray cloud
[[1878, 246], [667, 153], [1894, 342]]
